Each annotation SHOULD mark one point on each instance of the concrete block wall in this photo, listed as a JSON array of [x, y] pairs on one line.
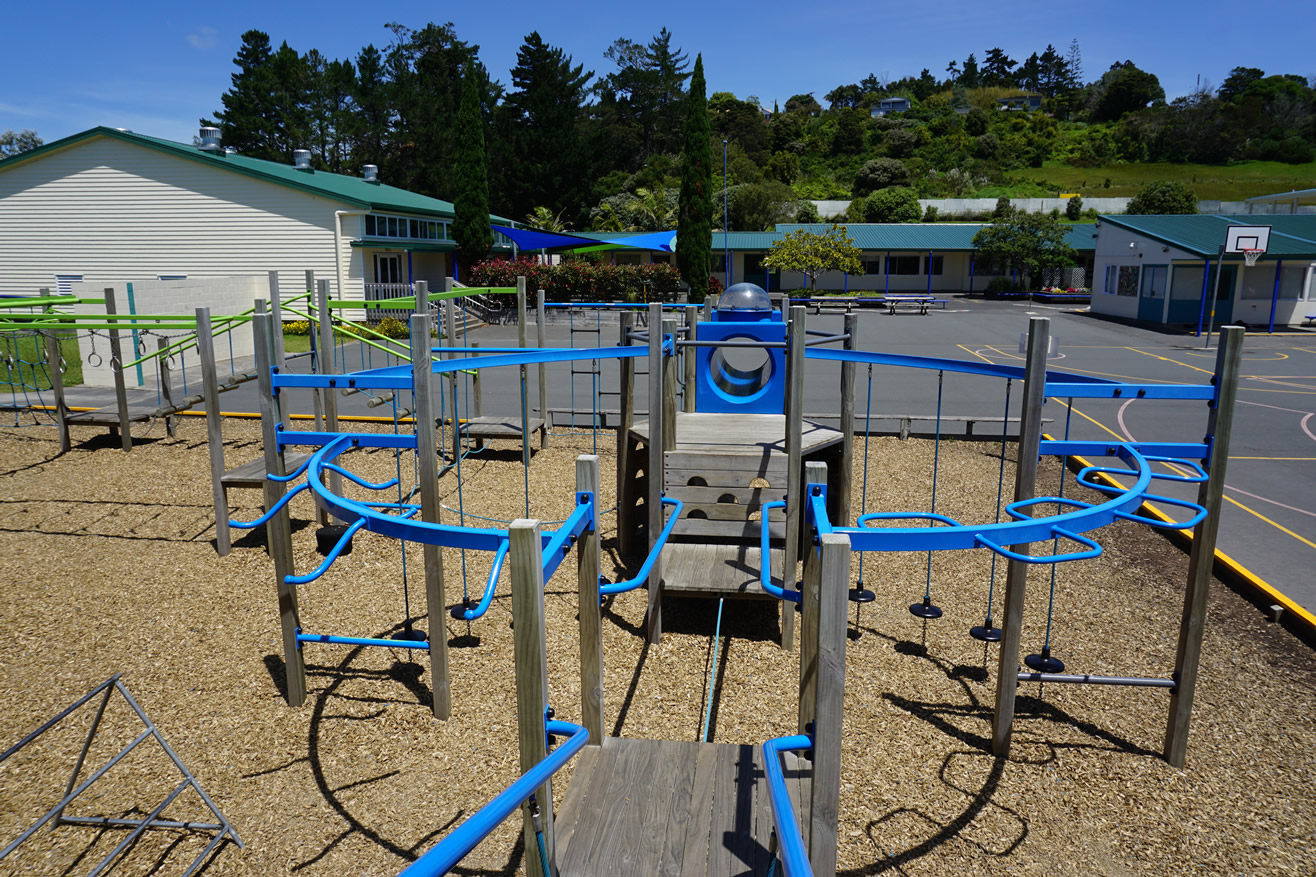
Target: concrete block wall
[[223, 295]]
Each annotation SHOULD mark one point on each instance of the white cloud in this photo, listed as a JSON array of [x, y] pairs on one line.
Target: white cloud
[[203, 39]]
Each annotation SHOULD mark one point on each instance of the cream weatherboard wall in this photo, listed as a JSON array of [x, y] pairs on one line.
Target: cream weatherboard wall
[[114, 211]]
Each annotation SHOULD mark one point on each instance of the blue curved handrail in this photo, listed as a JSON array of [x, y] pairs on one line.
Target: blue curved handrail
[[1199, 513], [794, 857], [328, 558], [357, 479], [274, 509], [487, 597], [901, 516], [631, 584], [292, 476], [1094, 550], [765, 558], [464, 838]]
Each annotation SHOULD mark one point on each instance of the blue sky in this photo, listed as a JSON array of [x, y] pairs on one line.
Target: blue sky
[[156, 67]]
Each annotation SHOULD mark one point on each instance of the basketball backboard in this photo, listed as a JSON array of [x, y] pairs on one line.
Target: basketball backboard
[[1246, 237]]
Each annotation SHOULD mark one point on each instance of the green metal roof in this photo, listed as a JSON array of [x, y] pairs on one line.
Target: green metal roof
[[905, 237], [1291, 236], [354, 191]]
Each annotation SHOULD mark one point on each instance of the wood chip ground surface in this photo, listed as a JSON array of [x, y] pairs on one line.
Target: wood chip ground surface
[[108, 564]]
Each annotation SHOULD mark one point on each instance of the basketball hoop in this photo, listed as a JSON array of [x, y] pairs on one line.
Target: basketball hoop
[[1251, 256]]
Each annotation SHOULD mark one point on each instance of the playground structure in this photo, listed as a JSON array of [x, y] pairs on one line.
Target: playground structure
[[610, 768]]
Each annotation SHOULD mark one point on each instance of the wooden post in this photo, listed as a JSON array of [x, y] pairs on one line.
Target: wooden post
[[521, 316], [428, 472], [205, 346], [815, 473], [690, 358], [276, 319], [1016, 580], [278, 532], [669, 390], [1220, 422], [829, 697], [166, 385], [710, 301], [846, 474], [56, 359], [587, 609], [625, 420], [541, 338], [116, 367], [450, 340], [654, 501], [794, 441], [526, 554]]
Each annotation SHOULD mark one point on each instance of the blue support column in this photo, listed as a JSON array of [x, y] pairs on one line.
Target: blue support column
[[972, 263], [411, 278], [1274, 296], [888, 272], [929, 272], [1206, 284]]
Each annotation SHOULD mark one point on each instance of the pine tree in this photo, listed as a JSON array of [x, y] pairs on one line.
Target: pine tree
[[695, 216], [470, 228], [247, 118]]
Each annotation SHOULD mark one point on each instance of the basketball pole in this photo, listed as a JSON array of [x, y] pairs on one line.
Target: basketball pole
[[1215, 296]]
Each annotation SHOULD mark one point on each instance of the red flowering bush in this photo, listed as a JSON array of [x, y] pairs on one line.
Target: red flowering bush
[[582, 281]]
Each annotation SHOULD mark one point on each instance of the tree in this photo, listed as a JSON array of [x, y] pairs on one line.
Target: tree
[[760, 206], [879, 173], [694, 228], [544, 219], [812, 254], [470, 227], [897, 204], [1163, 197], [1123, 89], [803, 103], [247, 120], [997, 68], [538, 126], [1074, 208], [13, 144], [1025, 242]]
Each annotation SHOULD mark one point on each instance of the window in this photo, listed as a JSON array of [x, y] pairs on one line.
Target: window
[[1121, 280], [388, 268], [378, 226], [1153, 281], [718, 264], [933, 264], [171, 277], [1187, 283], [872, 266], [902, 264], [64, 283]]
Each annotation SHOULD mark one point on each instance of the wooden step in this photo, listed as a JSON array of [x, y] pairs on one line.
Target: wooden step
[[718, 570]]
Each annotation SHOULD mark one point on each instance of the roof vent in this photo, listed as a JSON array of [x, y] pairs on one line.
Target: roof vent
[[210, 139], [371, 173], [301, 159], [229, 150]]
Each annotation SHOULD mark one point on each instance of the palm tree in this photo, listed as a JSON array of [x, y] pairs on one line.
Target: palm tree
[[544, 219]]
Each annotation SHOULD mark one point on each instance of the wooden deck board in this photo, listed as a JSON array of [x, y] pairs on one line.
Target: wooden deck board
[[492, 427], [669, 808], [731, 432], [716, 569], [252, 472], [110, 416]]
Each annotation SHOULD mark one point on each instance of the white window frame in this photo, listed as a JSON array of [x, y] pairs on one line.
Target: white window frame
[[63, 282]]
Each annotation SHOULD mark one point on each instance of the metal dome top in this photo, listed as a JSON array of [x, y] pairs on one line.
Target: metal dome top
[[744, 297]]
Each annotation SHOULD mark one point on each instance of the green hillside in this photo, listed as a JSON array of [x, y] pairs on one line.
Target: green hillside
[[1233, 182]]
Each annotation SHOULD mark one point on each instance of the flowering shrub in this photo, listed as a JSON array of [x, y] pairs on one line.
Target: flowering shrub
[[580, 281]]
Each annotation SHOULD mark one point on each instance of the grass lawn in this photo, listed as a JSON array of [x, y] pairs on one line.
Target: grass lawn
[[1225, 182]]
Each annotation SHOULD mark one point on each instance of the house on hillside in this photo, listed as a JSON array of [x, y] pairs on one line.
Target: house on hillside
[[889, 105], [108, 205], [1162, 270], [1019, 103]]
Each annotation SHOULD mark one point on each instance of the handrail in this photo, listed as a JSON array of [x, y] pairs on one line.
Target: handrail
[[765, 559], [274, 510], [328, 558], [560, 540], [1094, 549], [462, 613], [794, 857], [631, 584], [464, 838]]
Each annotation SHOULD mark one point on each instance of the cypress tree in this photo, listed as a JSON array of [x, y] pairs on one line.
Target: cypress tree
[[695, 224], [470, 228]]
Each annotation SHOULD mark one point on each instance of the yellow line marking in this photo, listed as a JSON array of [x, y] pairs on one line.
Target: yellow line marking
[[1168, 359], [1002, 352], [1093, 420], [1281, 383], [1277, 358], [1279, 527], [975, 353], [1273, 458]]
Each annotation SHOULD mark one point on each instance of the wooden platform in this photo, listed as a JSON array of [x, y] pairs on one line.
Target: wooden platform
[[252, 473], [718, 570], [670, 808], [740, 432], [110, 416], [491, 427]]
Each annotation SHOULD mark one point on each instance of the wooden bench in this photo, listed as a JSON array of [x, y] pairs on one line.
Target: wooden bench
[[492, 427]]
